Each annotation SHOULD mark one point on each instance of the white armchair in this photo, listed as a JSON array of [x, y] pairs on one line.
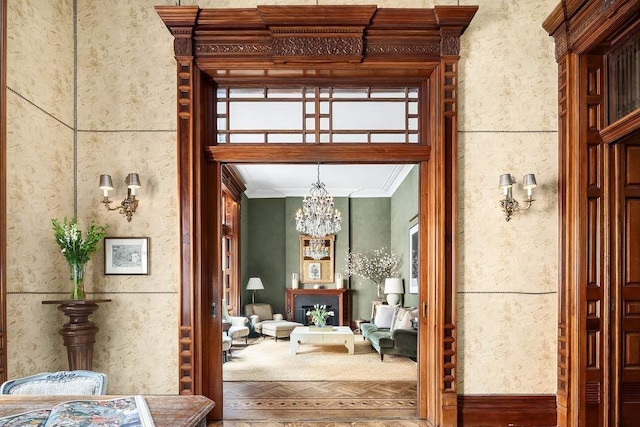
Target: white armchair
[[239, 324], [261, 314]]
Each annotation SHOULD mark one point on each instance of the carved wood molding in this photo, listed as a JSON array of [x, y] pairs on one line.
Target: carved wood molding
[[180, 23], [313, 34], [232, 180], [625, 126], [580, 25]]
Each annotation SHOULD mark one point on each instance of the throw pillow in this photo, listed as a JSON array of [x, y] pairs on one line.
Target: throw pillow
[[402, 318], [384, 316], [405, 322]]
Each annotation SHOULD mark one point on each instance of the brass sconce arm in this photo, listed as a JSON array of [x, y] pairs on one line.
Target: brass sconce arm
[[129, 205]]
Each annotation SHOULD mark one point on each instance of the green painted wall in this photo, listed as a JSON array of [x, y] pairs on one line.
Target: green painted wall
[[244, 251], [266, 251], [404, 208], [370, 229]]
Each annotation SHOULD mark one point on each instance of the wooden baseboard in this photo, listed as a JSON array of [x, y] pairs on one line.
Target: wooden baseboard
[[507, 410]]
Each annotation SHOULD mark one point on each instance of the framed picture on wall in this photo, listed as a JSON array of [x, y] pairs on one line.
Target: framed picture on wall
[[414, 259], [126, 255], [314, 268]]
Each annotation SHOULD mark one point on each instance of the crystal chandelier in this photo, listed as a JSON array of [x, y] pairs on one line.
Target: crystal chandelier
[[317, 249], [318, 216]]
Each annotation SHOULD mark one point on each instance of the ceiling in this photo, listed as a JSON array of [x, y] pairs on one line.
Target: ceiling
[[287, 180]]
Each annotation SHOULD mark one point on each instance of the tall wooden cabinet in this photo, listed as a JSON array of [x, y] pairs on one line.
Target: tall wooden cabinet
[[599, 204]]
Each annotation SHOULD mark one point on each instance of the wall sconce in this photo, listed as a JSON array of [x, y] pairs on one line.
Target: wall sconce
[[128, 205], [509, 205]]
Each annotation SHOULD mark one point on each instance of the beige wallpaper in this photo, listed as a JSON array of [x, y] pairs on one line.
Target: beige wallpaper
[[39, 177], [507, 298], [126, 123]]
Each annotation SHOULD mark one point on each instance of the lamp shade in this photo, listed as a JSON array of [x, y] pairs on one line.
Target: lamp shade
[[529, 181], [393, 285], [254, 284], [133, 180], [506, 180], [105, 182]]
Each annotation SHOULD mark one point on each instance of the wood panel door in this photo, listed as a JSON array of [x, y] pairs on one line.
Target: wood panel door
[[626, 283]]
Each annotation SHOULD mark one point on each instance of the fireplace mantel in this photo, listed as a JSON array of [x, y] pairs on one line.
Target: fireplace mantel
[[296, 298]]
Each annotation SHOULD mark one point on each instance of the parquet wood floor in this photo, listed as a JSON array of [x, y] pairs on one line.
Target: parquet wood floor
[[320, 403]]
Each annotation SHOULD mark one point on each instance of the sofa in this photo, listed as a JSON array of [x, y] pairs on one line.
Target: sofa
[[391, 331]]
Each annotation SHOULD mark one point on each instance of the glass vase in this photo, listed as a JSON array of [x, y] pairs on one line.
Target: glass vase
[[380, 291], [77, 281], [320, 323]]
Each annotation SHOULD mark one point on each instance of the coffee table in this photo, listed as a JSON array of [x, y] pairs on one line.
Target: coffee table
[[305, 335]]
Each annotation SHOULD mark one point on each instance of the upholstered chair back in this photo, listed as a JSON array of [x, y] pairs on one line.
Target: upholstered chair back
[[263, 311], [78, 382]]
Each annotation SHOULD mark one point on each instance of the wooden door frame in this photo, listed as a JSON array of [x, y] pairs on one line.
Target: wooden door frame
[[583, 31], [3, 190], [261, 45]]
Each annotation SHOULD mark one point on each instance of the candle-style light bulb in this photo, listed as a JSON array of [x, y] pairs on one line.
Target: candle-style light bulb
[[529, 183]]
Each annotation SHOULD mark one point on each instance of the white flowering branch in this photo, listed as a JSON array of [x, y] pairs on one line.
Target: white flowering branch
[[375, 265]]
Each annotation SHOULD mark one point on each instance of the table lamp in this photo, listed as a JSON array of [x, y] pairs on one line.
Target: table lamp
[[393, 288], [254, 284]]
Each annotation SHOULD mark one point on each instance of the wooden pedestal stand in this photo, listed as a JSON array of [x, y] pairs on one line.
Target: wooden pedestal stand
[[79, 334]]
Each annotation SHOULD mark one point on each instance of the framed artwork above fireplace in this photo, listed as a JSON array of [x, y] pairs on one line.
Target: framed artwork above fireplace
[[316, 271]]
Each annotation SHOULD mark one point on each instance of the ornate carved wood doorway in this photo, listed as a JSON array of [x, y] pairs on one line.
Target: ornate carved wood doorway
[[314, 45], [599, 187]]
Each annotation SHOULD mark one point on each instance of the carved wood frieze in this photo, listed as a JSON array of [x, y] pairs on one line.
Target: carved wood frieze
[[451, 45], [590, 16], [431, 49], [183, 46], [317, 47], [317, 34], [562, 44], [202, 49]]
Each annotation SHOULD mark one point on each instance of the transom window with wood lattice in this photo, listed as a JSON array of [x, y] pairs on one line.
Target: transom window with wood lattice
[[317, 115]]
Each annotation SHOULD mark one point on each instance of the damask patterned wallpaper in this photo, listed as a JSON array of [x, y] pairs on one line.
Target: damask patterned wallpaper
[[124, 121]]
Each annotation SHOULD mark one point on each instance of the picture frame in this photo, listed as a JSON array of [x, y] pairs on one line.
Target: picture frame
[[414, 259], [126, 255], [317, 271]]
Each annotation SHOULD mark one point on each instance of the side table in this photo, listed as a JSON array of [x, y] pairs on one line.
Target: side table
[[359, 323], [226, 326], [79, 333]]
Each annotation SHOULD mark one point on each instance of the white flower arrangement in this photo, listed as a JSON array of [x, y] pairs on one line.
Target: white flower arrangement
[[319, 314], [75, 248]]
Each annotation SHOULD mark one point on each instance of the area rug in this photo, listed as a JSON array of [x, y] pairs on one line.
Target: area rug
[[265, 359]]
